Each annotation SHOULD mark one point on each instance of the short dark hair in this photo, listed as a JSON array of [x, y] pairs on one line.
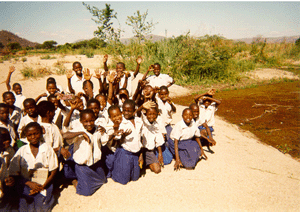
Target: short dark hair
[[113, 107], [29, 101], [193, 104], [121, 63], [86, 111], [157, 64], [3, 105], [87, 81], [93, 101], [7, 93], [76, 62], [17, 84], [186, 109], [4, 133], [51, 79], [33, 124], [164, 88], [49, 83], [129, 102], [45, 106]]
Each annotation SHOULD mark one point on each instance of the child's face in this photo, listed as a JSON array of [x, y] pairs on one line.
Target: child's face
[[123, 94], [102, 100], [148, 92], [51, 88], [116, 116], [9, 99], [156, 70], [187, 117], [33, 135], [30, 109], [128, 111], [78, 69], [4, 114], [55, 102], [151, 115], [6, 144], [88, 89], [163, 95], [88, 121], [95, 108], [120, 68], [17, 89], [206, 103], [195, 110]]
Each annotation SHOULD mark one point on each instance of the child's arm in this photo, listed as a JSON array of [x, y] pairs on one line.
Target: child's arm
[[50, 178], [110, 96], [127, 75], [218, 102], [40, 96], [11, 70], [69, 74], [172, 105], [210, 139], [196, 99], [86, 74], [171, 83], [98, 76], [138, 63], [105, 58], [68, 118], [71, 135], [147, 105], [151, 68], [160, 156], [202, 152], [178, 163]]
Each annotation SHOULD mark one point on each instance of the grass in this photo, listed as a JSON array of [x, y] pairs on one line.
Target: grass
[[47, 57], [29, 72]]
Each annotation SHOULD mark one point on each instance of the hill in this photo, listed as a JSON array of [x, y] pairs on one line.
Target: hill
[[7, 37], [287, 39]]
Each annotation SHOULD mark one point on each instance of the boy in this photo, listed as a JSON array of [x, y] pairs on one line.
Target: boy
[[75, 82], [16, 90], [15, 113], [72, 119], [51, 90], [5, 122], [158, 79]]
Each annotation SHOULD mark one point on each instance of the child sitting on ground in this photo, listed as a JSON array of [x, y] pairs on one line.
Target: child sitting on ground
[[184, 142], [84, 165], [16, 89]]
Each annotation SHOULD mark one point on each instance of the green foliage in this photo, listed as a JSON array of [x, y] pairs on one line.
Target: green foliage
[[284, 148], [47, 57], [140, 27], [14, 46], [29, 72], [24, 59], [50, 44], [94, 43], [297, 42], [104, 18]]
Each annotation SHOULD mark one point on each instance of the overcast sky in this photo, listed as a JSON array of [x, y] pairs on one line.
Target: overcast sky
[[71, 21]]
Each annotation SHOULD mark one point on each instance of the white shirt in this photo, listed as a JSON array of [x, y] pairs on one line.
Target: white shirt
[[87, 153], [103, 118], [132, 142], [4, 160], [207, 114], [183, 132], [16, 115], [160, 80], [165, 110], [26, 120], [122, 81], [52, 135], [76, 84], [11, 130], [19, 100], [24, 160], [152, 134]]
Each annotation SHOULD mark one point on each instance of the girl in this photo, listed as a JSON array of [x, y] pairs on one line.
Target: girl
[[84, 165], [14, 112], [36, 165], [184, 142]]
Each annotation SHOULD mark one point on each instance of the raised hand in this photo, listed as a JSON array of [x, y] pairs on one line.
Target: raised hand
[[69, 74], [74, 104], [11, 69], [126, 133], [111, 77], [169, 100], [139, 60], [98, 73], [211, 92], [101, 129], [149, 104], [86, 74], [127, 74]]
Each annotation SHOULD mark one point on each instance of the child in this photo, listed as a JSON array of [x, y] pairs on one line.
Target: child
[[16, 90], [51, 90], [166, 108], [7, 123], [52, 80], [15, 113], [210, 93], [75, 82], [60, 110], [126, 162], [6, 141], [104, 105], [156, 153], [101, 119], [184, 142], [203, 127], [86, 153], [158, 79], [35, 157], [52, 135], [31, 115], [72, 119]]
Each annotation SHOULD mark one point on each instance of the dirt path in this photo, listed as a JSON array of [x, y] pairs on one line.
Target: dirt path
[[243, 175]]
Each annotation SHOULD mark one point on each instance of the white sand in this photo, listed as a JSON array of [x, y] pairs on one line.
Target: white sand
[[242, 175]]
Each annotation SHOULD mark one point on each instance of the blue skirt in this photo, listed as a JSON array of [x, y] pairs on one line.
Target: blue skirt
[[189, 152], [125, 166], [168, 157], [169, 130], [203, 128]]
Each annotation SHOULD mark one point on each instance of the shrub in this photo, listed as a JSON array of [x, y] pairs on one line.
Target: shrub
[[47, 57], [24, 59], [29, 72]]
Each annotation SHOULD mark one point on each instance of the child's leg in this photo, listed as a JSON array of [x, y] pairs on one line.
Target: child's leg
[[167, 155], [168, 129], [152, 161], [125, 167]]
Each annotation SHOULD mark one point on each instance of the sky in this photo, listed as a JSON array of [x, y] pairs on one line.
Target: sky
[[70, 21]]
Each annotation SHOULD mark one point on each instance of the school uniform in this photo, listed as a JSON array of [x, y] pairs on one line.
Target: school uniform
[[52, 135], [160, 80], [11, 130], [126, 166], [16, 116], [19, 100], [77, 84], [103, 118], [152, 137], [84, 163], [166, 112], [129, 83], [21, 164], [26, 120], [208, 115], [6, 203], [189, 150]]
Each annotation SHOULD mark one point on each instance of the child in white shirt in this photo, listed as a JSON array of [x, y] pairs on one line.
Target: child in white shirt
[[15, 113], [5, 122]]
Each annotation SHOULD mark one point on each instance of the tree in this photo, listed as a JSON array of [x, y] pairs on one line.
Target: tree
[[1, 45], [297, 42], [140, 26], [14, 46], [50, 44], [105, 18]]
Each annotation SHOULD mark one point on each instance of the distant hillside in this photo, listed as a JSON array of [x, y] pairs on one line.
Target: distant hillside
[[8, 37], [288, 39], [151, 37]]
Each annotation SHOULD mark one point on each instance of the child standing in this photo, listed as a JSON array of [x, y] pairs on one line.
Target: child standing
[[158, 79], [75, 82], [184, 142], [15, 113], [37, 156], [84, 165], [16, 89], [7, 123]]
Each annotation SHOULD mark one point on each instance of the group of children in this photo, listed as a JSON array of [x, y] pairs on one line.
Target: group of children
[[85, 137]]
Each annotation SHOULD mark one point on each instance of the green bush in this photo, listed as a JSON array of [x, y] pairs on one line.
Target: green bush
[[24, 59], [29, 72]]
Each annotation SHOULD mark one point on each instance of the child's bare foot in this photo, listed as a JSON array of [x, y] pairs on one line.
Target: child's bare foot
[[209, 150], [75, 182]]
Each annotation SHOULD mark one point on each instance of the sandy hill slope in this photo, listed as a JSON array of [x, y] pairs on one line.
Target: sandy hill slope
[[7, 37]]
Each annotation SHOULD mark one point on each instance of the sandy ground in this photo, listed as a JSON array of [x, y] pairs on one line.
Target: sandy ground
[[242, 175], [270, 73]]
